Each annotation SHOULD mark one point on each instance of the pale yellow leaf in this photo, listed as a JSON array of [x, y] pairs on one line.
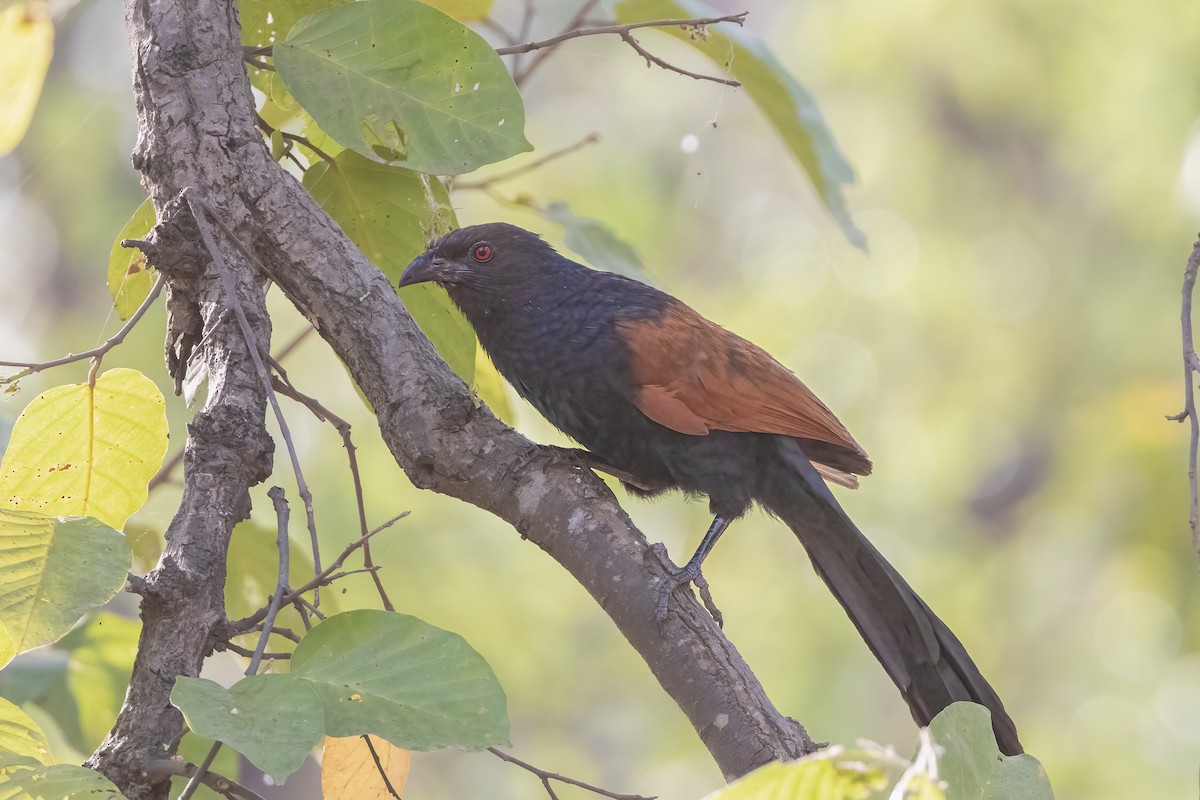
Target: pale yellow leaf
[[26, 44], [78, 450], [348, 772], [20, 735]]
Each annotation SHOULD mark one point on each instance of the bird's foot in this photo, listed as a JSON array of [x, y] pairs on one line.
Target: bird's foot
[[682, 577]]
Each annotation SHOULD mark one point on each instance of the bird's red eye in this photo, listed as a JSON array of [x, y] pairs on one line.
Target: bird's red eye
[[482, 252]]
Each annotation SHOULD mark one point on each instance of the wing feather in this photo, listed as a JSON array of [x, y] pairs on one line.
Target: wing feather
[[693, 376]]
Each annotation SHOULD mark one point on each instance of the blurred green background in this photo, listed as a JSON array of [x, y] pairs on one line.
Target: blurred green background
[[1029, 180]]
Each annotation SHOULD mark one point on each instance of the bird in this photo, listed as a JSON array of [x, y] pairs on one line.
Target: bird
[[665, 399]]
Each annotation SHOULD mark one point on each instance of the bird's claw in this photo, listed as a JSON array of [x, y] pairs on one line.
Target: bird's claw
[[681, 577]]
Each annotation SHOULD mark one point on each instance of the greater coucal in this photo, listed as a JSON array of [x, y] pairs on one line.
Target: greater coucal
[[666, 400]]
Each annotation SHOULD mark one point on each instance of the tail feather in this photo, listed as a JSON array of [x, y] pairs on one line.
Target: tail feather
[[920, 653]]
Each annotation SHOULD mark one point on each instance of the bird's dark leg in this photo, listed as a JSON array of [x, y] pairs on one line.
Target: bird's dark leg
[[690, 573]]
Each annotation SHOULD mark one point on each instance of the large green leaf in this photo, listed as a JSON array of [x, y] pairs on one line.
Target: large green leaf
[[973, 765], [20, 735], [273, 720], [87, 450], [365, 671], [397, 80], [55, 569], [395, 676], [788, 105], [390, 214], [23, 778], [129, 277], [26, 44]]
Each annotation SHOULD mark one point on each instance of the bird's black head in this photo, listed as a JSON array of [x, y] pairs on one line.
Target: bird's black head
[[482, 257]]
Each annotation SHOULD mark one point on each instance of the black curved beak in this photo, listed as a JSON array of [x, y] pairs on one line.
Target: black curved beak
[[423, 268]]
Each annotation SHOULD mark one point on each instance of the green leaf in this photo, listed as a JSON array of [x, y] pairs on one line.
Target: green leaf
[[390, 214], [129, 277], [54, 570], [788, 106], [20, 735], [397, 677], [26, 44], [27, 779], [273, 720], [463, 10], [397, 80], [596, 242], [973, 765], [82, 450]]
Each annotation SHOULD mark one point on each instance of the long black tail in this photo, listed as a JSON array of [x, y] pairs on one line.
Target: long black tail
[[922, 656]]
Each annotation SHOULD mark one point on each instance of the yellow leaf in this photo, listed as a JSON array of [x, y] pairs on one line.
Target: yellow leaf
[[130, 279], [26, 44], [348, 772], [87, 451]]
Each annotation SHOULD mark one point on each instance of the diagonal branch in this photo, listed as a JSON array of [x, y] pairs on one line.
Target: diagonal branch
[[188, 68]]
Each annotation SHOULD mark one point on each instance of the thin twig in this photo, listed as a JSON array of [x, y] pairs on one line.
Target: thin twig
[[296, 341], [247, 623], [653, 59], [246, 652], [516, 172], [278, 631], [1191, 367], [282, 541], [196, 204], [379, 768], [265, 126], [546, 777], [169, 767], [165, 472], [282, 512], [96, 353], [343, 428], [624, 32]]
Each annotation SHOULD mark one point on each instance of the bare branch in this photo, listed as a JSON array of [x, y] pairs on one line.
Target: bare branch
[[230, 789], [546, 777], [653, 59], [96, 353], [1191, 368], [379, 768], [322, 413], [623, 31], [525, 169]]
